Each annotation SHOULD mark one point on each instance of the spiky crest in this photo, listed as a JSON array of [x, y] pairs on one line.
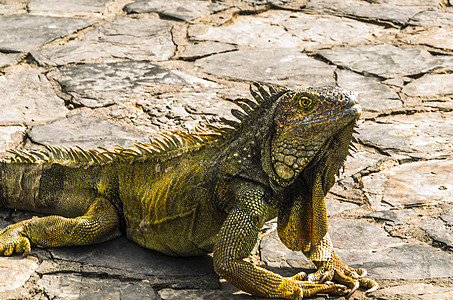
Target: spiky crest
[[164, 146]]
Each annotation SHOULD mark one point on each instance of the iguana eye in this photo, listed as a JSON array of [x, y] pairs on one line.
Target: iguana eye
[[305, 100]]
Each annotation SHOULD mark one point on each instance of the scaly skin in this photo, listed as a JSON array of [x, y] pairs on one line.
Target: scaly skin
[[200, 193]]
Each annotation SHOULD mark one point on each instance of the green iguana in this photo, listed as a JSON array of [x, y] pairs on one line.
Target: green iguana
[[210, 191]]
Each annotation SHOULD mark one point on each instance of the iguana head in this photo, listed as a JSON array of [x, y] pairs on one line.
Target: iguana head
[[305, 121], [310, 139]]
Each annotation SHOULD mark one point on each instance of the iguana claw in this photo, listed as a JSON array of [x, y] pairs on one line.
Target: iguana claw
[[12, 240]]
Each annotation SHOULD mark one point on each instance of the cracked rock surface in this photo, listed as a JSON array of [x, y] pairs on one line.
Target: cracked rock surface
[[105, 73]]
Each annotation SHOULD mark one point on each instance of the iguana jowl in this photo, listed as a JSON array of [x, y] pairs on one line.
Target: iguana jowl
[[190, 194]]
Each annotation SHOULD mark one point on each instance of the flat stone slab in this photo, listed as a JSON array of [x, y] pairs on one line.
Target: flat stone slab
[[67, 6], [432, 18], [15, 271], [76, 286], [430, 86], [397, 12], [421, 135], [277, 65], [386, 60], [7, 59], [86, 132], [373, 96], [129, 38], [195, 51], [28, 97], [101, 84], [20, 33], [412, 184], [361, 244], [437, 37], [184, 10], [125, 255], [414, 291], [262, 31], [12, 137], [439, 231]]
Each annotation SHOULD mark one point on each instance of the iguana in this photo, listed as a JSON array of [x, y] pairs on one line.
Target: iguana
[[209, 191]]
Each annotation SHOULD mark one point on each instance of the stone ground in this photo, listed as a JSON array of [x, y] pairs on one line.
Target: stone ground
[[100, 73]]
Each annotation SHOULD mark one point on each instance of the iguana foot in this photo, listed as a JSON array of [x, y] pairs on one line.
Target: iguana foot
[[12, 239], [294, 288], [339, 272]]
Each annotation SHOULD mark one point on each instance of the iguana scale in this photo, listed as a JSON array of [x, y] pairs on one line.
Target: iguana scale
[[210, 191]]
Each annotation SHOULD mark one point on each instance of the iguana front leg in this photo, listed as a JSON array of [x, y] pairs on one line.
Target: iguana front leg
[[235, 242], [100, 223], [330, 268]]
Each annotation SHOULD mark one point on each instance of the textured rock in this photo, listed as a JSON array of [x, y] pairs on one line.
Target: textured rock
[[75, 286], [67, 6], [27, 97], [360, 244], [261, 31], [373, 96], [95, 85], [386, 60], [427, 135], [430, 86], [185, 10], [321, 31], [432, 18], [121, 254], [84, 131], [396, 217], [274, 254], [414, 291], [195, 51], [413, 184], [19, 33], [15, 271], [281, 66], [437, 37], [438, 231], [123, 38], [7, 59], [399, 12], [12, 137]]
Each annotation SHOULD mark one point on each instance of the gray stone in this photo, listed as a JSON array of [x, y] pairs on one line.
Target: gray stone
[[262, 31], [421, 135], [15, 271], [8, 59], [396, 217], [399, 12], [386, 60], [413, 184], [414, 291], [84, 131], [275, 255], [121, 254], [323, 31], [195, 51], [335, 207], [430, 86], [185, 10], [129, 38], [12, 137], [226, 292], [67, 6], [438, 231], [360, 244], [447, 217], [437, 37], [28, 98], [432, 18], [101, 84], [278, 65], [75, 286], [7, 8], [20, 33], [373, 96]]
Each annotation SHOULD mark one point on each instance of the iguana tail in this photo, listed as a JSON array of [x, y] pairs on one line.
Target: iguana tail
[[45, 187]]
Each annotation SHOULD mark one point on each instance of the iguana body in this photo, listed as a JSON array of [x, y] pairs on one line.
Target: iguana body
[[194, 194]]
